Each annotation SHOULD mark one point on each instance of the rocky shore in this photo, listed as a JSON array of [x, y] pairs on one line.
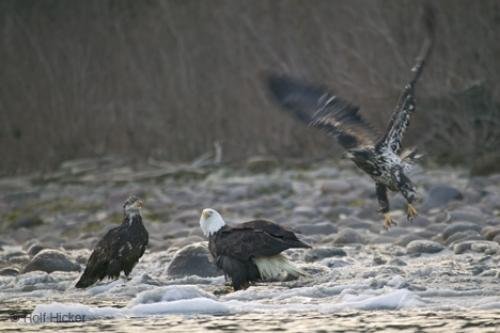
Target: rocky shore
[[50, 223]]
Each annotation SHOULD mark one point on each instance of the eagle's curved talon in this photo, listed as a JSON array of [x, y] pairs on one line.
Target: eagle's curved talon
[[388, 221], [411, 212]]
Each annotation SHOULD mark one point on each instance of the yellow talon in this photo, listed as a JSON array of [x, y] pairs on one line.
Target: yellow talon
[[411, 212], [388, 221]]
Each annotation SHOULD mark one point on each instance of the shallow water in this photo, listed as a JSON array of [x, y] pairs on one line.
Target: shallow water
[[372, 321]]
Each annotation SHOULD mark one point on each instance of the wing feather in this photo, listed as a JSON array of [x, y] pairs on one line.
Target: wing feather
[[256, 239], [406, 105], [320, 108]]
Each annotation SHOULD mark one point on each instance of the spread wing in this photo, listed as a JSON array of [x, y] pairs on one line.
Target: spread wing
[[256, 239], [400, 118], [320, 108]]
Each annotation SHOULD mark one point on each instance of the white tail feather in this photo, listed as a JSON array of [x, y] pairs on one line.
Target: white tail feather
[[277, 267]]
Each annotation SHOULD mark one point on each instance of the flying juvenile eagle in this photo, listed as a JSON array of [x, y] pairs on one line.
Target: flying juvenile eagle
[[249, 251], [120, 249], [381, 158]]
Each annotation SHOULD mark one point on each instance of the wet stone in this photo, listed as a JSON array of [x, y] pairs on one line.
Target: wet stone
[[468, 216], [378, 260], [323, 252], [193, 259], [322, 228], [9, 271], [490, 232], [462, 247], [463, 235], [348, 236], [397, 262], [50, 261], [423, 246], [34, 249], [460, 227], [441, 195], [404, 240], [486, 247]]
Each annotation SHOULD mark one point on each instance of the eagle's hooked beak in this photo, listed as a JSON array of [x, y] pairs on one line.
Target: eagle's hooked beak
[[140, 204], [205, 214]]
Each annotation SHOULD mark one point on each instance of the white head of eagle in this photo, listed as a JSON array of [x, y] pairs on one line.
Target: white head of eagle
[[211, 221]]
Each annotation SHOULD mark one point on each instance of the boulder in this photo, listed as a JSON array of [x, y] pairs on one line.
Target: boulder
[[193, 259], [9, 271], [423, 246], [460, 227], [348, 236], [50, 261], [441, 195]]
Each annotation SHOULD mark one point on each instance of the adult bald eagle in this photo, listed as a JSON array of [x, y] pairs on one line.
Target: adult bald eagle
[[381, 158], [120, 249], [250, 251]]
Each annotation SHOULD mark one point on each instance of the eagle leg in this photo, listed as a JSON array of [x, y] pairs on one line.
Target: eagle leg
[[407, 189], [383, 201], [411, 212], [388, 221]]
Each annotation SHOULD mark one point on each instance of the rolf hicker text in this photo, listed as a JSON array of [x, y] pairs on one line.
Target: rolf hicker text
[[47, 317]]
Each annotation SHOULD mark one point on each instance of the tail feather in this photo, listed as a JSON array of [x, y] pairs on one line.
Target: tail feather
[[85, 281], [277, 268]]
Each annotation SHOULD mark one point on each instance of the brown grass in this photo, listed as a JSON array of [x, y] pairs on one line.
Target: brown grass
[[167, 79]]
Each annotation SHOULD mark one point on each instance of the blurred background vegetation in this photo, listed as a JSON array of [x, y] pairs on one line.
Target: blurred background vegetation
[[167, 79]]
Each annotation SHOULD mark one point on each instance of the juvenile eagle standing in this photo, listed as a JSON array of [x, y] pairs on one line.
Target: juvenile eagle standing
[[120, 249], [381, 158], [249, 251]]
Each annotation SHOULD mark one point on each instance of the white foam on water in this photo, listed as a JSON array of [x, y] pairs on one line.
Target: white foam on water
[[170, 293], [198, 305], [390, 300], [69, 312]]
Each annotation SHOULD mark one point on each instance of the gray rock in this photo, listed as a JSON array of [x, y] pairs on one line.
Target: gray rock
[[9, 271], [27, 222], [50, 261], [348, 236], [463, 235], [193, 259], [462, 247], [468, 216], [397, 262], [441, 195], [487, 247], [490, 232], [34, 249], [378, 260], [404, 240], [323, 252], [423, 246], [460, 227], [306, 211], [418, 221], [335, 263], [335, 186], [322, 228]]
